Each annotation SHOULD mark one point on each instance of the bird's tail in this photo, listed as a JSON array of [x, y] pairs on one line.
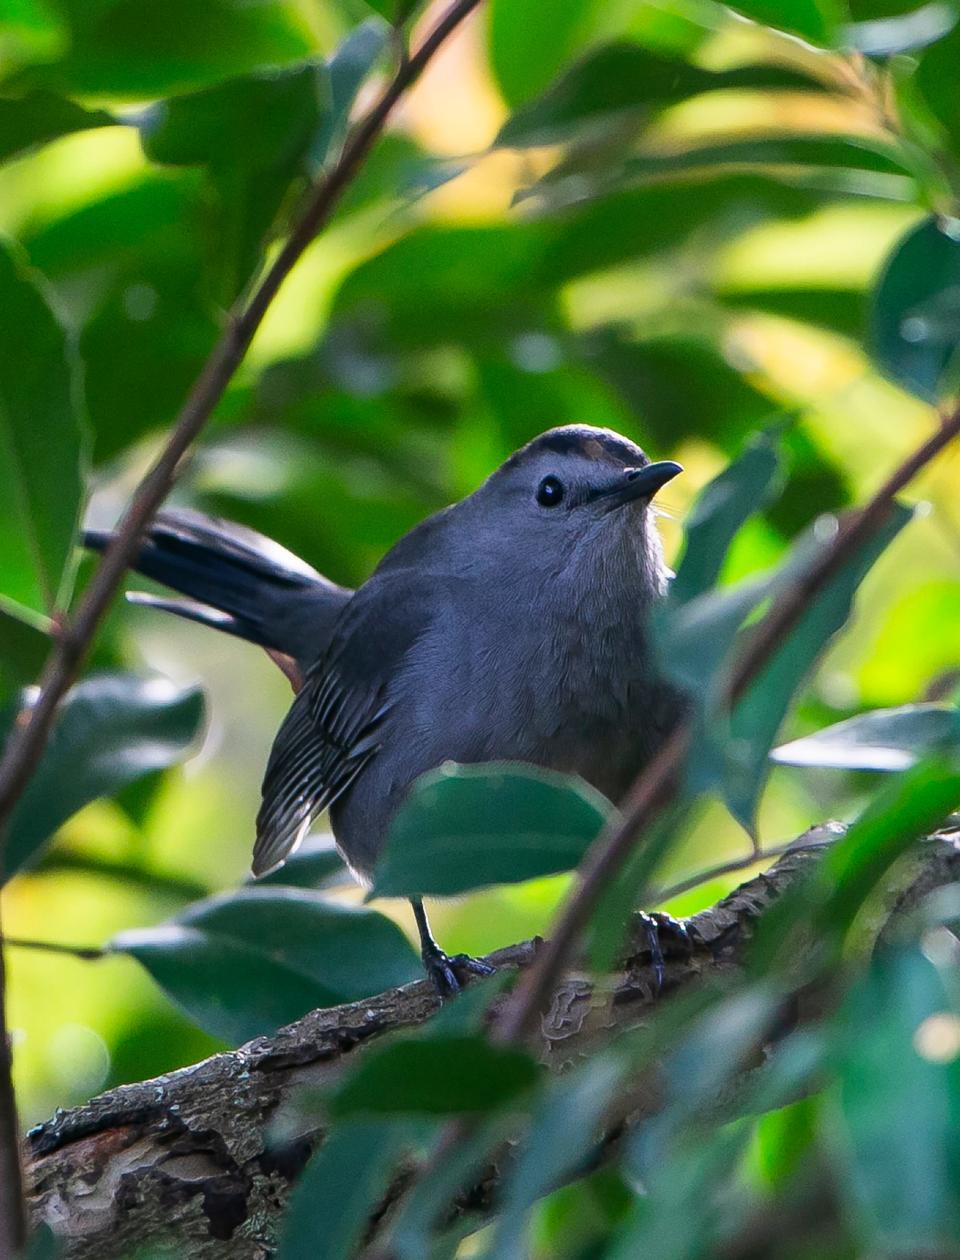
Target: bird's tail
[[237, 581]]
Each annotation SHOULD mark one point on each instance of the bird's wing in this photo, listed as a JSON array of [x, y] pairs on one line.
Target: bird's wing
[[333, 728]]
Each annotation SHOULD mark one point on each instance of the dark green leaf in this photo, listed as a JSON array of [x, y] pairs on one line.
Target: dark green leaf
[[624, 78], [816, 20], [315, 864], [721, 509], [757, 717], [565, 1125], [935, 81], [243, 964], [915, 320], [40, 444], [886, 739], [441, 1075], [332, 1203], [253, 134], [125, 49], [23, 649], [897, 1146], [465, 827], [113, 728], [40, 116]]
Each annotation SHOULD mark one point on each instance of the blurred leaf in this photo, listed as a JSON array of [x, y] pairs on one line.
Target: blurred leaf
[[124, 49], [884, 36], [347, 71], [23, 649], [915, 321], [719, 512], [760, 711], [140, 254], [525, 52], [825, 904], [464, 827], [40, 444], [564, 1128], [896, 1149], [112, 729], [331, 1204], [40, 116], [935, 81], [816, 20], [253, 134], [440, 1075], [246, 962], [621, 78], [315, 864], [886, 739], [31, 31]]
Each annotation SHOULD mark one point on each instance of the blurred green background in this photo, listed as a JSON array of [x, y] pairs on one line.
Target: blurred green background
[[476, 287]]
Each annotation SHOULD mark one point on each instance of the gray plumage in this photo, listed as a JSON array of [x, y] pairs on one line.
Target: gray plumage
[[512, 625]]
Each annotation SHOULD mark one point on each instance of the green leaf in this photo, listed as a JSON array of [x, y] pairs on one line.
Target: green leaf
[[935, 81], [332, 1203], [915, 317], [721, 509], [348, 70], [40, 444], [112, 730], [440, 1075], [464, 827], [131, 51], [815, 20], [315, 864], [885, 739], [244, 963], [526, 53], [30, 120], [624, 78], [253, 134], [565, 1125], [24, 645], [759, 713], [895, 1143]]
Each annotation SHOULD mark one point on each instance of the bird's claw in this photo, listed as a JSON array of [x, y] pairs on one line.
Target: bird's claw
[[664, 930], [446, 971]]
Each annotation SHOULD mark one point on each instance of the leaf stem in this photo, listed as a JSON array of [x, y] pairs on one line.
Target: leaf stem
[[32, 729], [88, 953]]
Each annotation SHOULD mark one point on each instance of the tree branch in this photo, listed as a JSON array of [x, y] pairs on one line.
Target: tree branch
[[188, 1160], [34, 724]]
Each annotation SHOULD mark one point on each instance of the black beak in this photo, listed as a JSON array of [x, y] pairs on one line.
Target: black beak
[[640, 483]]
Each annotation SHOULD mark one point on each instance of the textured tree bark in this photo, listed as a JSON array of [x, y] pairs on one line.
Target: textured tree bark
[[192, 1162]]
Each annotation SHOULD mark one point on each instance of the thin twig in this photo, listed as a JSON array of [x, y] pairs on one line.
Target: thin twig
[[657, 896], [33, 726], [656, 785], [88, 953]]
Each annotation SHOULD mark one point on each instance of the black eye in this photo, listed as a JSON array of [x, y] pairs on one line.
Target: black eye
[[550, 492]]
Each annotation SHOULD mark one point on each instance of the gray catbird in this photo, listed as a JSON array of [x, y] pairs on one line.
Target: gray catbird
[[510, 626]]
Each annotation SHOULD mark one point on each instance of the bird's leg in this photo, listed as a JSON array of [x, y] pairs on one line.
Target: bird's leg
[[663, 929], [440, 967]]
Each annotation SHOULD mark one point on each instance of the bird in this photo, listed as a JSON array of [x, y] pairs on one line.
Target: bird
[[512, 625]]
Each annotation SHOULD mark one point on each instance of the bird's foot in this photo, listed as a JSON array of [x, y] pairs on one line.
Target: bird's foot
[[666, 937], [447, 972]]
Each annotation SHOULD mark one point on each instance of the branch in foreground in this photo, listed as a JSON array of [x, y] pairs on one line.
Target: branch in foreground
[[33, 727], [185, 1160]]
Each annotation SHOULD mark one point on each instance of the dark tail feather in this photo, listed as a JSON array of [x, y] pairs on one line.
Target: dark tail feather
[[237, 581]]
